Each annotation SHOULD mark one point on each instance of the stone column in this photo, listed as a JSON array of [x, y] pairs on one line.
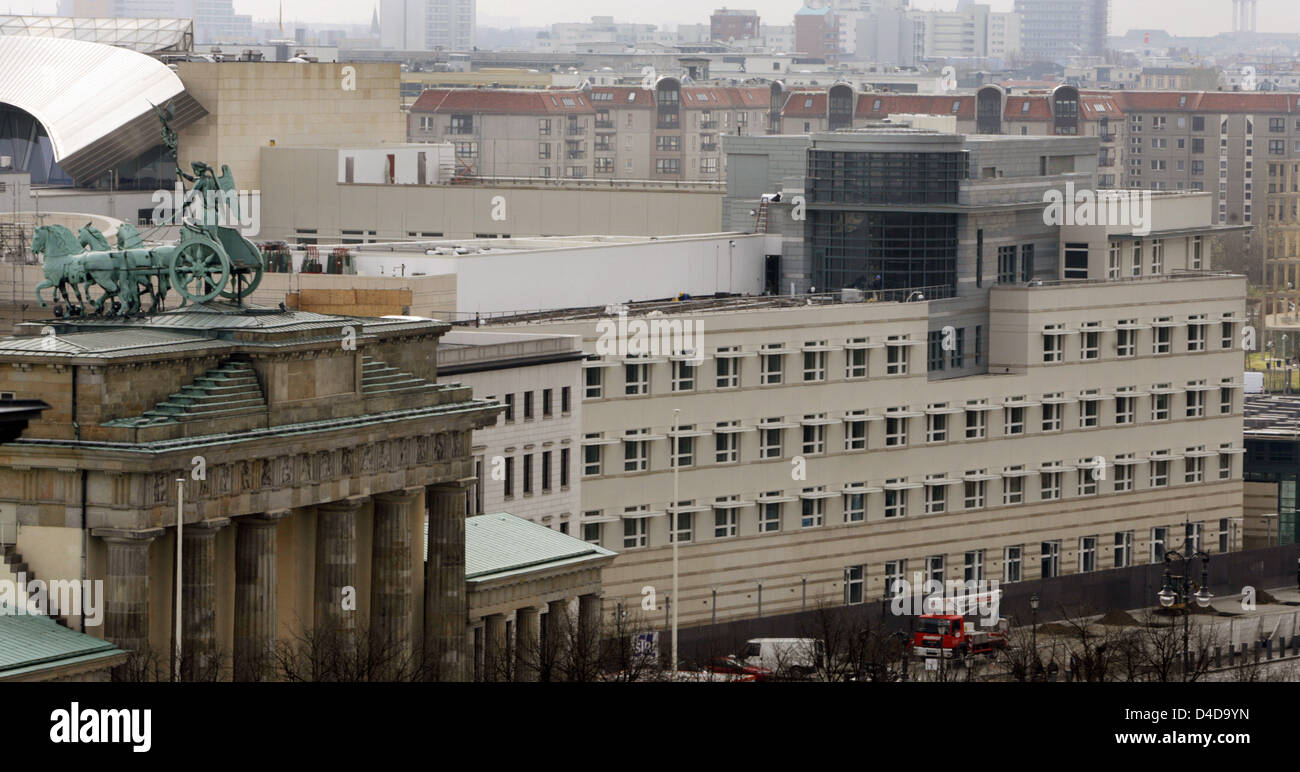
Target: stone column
[[589, 631], [336, 567], [391, 597], [527, 656], [256, 621], [557, 639], [199, 660], [444, 585], [126, 619], [494, 648]]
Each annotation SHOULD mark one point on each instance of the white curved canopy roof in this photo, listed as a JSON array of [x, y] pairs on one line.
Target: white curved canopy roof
[[94, 100], [145, 35]]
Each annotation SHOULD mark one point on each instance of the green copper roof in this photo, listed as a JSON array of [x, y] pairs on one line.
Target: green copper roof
[[501, 544], [32, 642]]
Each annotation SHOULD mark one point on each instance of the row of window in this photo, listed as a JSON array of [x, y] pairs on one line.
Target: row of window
[[1126, 337], [941, 425], [546, 476], [1121, 546], [528, 399], [934, 496]]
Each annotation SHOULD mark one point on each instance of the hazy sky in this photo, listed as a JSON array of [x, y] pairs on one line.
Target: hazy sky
[[1186, 17]]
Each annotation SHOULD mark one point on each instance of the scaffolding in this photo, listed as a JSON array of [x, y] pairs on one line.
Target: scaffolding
[[14, 243]]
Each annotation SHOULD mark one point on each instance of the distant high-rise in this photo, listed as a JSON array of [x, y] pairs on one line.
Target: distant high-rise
[[422, 25], [816, 32], [1054, 30], [733, 24], [128, 9]]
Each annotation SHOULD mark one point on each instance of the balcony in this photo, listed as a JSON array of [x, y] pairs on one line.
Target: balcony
[[706, 125], [1108, 137], [708, 147], [1106, 162], [575, 155], [575, 131], [460, 130], [604, 124]]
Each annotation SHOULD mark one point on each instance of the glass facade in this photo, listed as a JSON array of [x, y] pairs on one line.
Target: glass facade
[[24, 139], [1276, 461], [873, 250]]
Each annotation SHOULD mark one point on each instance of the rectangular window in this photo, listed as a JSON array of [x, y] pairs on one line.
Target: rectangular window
[[565, 400], [1087, 554], [1160, 407], [895, 431], [1162, 336], [936, 427], [814, 436], [636, 453], [1225, 401], [591, 532], [770, 372], [1125, 342], [634, 531], [1087, 473], [724, 522], [975, 490], [1123, 476], [814, 365], [547, 400], [769, 441], [1013, 420], [1195, 404], [973, 566], [1193, 469], [1196, 333], [855, 431], [1050, 485], [546, 471], [564, 467], [1124, 409], [509, 487], [934, 568], [896, 359], [1123, 549], [594, 387], [510, 407], [976, 424], [1013, 489], [1089, 413], [855, 363], [855, 507], [1053, 347], [681, 524], [769, 514], [1225, 466], [682, 449], [528, 473], [854, 584], [728, 373], [895, 574], [683, 376], [637, 379], [591, 457], [1050, 560], [1011, 564], [895, 501], [812, 510], [726, 445], [1089, 344], [1006, 265], [1159, 541], [1159, 473], [1052, 416], [528, 406], [936, 499], [1225, 535], [935, 359]]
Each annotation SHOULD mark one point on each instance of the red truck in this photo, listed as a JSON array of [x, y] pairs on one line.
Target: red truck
[[952, 635]]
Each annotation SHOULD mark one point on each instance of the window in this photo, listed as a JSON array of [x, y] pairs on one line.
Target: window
[[936, 498], [543, 150], [1159, 539], [547, 395], [528, 406], [1013, 487], [1225, 335], [1027, 262], [510, 407], [896, 357], [1050, 562], [1162, 336], [594, 388], [1013, 420], [1225, 465], [895, 575], [770, 372], [1195, 401], [936, 426], [564, 467], [1225, 401], [1089, 412], [591, 457], [769, 440], [462, 124], [634, 530], [636, 453], [1011, 564], [855, 361], [1123, 549], [973, 566], [895, 431], [1225, 535], [1053, 344], [1123, 473], [1112, 261], [682, 448], [1087, 554], [683, 376], [1159, 472], [769, 514], [1087, 473], [814, 364], [957, 355], [1076, 260], [681, 524], [544, 126], [591, 532], [935, 360], [814, 435], [1160, 405], [976, 424], [1124, 409], [895, 500], [546, 470], [1194, 467], [854, 584], [855, 430], [509, 487], [1137, 258], [724, 519], [1052, 416], [1125, 340], [1049, 485], [934, 568], [979, 336], [975, 490], [855, 504], [528, 473], [668, 166], [1006, 265], [1194, 258], [728, 369], [638, 379], [813, 508], [726, 444], [565, 398]]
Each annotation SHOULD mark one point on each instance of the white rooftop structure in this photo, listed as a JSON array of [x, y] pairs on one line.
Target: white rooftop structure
[[147, 36]]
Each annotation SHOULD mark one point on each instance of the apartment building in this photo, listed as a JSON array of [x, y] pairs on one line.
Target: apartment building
[[1059, 29], [973, 31], [666, 132], [526, 463], [732, 24], [1081, 417]]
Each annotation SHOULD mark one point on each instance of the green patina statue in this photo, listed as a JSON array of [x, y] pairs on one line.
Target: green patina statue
[[209, 261]]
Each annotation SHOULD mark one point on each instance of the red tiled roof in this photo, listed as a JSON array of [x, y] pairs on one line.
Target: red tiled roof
[[921, 104], [501, 101], [624, 96], [805, 104], [1038, 108], [1209, 101]]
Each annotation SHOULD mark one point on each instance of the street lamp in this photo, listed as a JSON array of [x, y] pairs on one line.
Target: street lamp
[[903, 638], [1177, 589], [672, 530], [1033, 609]]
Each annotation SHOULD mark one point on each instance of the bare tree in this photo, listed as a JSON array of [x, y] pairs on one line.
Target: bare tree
[[330, 654]]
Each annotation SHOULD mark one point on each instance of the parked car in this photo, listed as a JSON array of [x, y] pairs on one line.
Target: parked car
[[733, 666], [785, 657]]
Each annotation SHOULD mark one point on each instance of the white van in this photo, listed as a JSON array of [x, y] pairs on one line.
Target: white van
[[1253, 382], [785, 656]]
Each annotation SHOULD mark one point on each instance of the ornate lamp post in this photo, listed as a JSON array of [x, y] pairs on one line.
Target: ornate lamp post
[[1177, 590], [1033, 609]]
